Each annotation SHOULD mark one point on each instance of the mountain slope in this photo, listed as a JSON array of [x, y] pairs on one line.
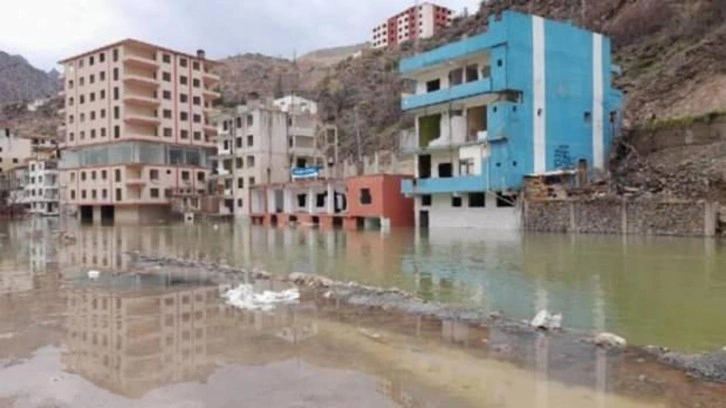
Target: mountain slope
[[20, 81]]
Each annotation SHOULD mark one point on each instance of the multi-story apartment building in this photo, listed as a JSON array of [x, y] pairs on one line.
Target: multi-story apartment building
[[260, 144], [528, 97], [417, 22], [41, 187], [136, 130], [14, 150]]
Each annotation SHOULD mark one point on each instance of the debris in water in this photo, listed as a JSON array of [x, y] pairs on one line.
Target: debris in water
[[609, 340], [547, 321], [244, 297], [370, 335], [93, 274]]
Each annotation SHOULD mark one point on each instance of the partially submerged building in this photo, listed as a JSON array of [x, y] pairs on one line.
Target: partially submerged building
[[41, 188], [527, 97], [368, 201]]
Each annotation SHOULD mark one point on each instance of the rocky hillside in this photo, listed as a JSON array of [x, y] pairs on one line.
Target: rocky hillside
[[20, 81], [673, 55], [270, 76]]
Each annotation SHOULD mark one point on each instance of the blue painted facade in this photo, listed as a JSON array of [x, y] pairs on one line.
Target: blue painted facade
[[560, 106]]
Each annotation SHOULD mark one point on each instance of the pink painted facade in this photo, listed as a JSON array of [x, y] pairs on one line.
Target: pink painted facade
[[137, 130], [417, 22]]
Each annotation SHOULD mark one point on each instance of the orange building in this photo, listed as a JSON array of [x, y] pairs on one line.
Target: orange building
[[373, 201]]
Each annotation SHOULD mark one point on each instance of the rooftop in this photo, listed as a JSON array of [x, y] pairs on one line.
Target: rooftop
[[142, 44]]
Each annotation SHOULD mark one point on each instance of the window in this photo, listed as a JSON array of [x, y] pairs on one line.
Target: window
[[197, 101], [477, 200], [102, 76], [456, 201], [183, 98], [102, 94], [238, 142], [115, 74], [587, 117], [166, 113], [115, 93], [83, 194], [239, 203], [182, 62], [91, 79], [200, 176], [195, 65], [183, 79], [102, 57], [166, 95], [154, 192], [116, 112], [196, 83], [250, 141], [117, 175], [185, 175], [81, 81], [166, 58], [250, 161], [432, 86], [241, 182], [197, 135], [167, 132], [118, 194], [70, 101], [365, 196], [104, 174], [93, 194], [93, 115], [93, 133], [71, 136], [15, 159], [103, 132], [82, 99], [70, 118], [426, 200], [73, 176], [116, 132], [166, 76], [73, 194], [82, 117], [506, 200], [252, 181], [184, 116], [250, 120], [239, 122], [83, 134], [104, 194], [184, 134], [446, 170], [456, 76], [196, 118], [153, 174], [93, 174], [472, 73], [70, 84], [92, 97]]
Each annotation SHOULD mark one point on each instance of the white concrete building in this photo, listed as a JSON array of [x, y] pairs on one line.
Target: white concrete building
[[14, 150], [41, 188], [297, 104], [261, 143]]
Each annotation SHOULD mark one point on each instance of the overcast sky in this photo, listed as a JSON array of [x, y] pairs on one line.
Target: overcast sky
[[45, 31]]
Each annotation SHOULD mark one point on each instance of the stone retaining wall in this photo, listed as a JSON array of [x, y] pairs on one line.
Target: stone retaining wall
[[619, 216]]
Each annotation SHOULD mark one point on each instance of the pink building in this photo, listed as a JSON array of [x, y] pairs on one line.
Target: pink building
[[417, 22], [137, 131]]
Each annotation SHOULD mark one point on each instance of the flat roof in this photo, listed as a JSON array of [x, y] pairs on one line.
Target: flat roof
[[131, 41]]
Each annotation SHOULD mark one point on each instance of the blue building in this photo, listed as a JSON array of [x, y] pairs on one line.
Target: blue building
[[529, 96]]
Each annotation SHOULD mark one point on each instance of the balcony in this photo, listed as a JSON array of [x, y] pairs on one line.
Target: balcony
[[142, 120], [140, 62], [461, 184], [142, 81], [482, 86], [210, 94], [209, 79], [210, 130], [135, 182], [144, 101]]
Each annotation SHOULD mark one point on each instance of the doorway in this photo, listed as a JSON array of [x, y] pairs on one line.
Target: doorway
[[423, 219], [108, 214], [86, 214], [424, 166]]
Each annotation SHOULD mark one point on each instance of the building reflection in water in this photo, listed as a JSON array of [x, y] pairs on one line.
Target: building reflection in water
[[28, 256]]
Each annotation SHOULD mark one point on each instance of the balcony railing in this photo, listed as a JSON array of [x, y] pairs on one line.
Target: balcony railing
[[482, 86], [141, 81], [140, 62], [461, 184]]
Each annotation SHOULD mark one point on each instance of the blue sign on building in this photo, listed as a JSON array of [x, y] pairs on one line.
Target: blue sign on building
[[305, 172]]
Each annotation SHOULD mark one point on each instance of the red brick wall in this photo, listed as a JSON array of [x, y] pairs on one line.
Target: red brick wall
[[387, 200]]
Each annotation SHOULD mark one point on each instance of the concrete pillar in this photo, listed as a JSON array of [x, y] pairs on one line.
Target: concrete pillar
[[97, 214], [330, 199], [311, 200], [376, 163], [711, 218]]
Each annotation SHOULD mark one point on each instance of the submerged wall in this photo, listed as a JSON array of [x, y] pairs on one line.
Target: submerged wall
[[619, 216]]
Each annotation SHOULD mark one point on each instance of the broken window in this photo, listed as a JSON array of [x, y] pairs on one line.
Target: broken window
[[472, 73], [477, 200], [365, 196], [456, 77], [446, 170], [302, 200], [320, 199], [456, 201], [432, 86], [426, 200]]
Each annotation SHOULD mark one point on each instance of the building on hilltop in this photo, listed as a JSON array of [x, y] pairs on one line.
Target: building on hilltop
[[417, 22], [261, 143], [136, 130], [14, 150], [529, 96]]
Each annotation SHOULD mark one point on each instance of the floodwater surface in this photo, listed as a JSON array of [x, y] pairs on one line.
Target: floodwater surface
[[154, 341]]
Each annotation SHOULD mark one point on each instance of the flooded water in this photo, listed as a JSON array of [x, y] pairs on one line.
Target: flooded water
[[154, 340]]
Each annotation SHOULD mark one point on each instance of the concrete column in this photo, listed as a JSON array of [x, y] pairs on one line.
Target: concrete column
[[311, 200], [97, 214], [287, 201], [330, 200]]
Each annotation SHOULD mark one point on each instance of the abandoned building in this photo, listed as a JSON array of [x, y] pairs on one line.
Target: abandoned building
[[528, 96]]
